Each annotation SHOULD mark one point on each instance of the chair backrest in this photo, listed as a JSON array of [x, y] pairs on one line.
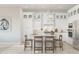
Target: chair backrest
[[38, 38], [25, 37], [60, 37], [49, 37]]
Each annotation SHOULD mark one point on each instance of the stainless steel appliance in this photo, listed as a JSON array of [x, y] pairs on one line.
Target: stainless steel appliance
[[70, 30]]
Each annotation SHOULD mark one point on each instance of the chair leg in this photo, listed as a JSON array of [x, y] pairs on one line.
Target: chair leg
[[42, 50], [53, 50], [53, 47], [62, 47], [31, 46], [45, 46], [24, 48], [34, 47], [34, 50], [45, 50]]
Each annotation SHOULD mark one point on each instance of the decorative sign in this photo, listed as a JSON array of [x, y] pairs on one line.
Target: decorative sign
[[4, 24]]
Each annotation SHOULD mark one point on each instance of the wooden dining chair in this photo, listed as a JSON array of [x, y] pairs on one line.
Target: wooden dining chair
[[28, 43], [38, 43], [59, 43], [49, 43]]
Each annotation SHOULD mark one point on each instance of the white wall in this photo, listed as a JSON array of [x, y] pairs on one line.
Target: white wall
[[13, 36]]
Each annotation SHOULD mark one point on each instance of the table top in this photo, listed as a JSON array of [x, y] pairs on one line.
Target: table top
[[55, 35], [43, 35]]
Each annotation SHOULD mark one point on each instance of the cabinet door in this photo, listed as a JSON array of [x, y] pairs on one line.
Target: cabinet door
[[77, 30], [76, 38]]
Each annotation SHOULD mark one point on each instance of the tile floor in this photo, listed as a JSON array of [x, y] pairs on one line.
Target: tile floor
[[19, 49]]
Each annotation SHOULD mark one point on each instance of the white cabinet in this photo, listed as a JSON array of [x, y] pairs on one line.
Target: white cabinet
[[27, 24], [37, 22]]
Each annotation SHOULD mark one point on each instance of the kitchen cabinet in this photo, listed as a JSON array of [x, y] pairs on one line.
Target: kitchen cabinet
[[76, 35], [27, 24]]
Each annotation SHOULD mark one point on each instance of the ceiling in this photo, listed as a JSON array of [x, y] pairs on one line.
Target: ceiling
[[48, 7], [41, 7]]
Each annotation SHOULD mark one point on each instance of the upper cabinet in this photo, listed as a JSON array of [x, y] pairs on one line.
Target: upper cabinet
[[60, 16], [27, 15], [73, 11]]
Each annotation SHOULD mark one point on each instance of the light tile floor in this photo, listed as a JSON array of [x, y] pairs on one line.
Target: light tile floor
[[19, 49]]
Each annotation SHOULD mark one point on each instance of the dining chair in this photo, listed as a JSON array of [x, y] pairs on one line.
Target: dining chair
[[28, 43], [38, 43], [59, 43], [49, 43]]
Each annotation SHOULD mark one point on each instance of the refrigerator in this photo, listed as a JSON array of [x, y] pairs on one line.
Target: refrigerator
[[76, 34]]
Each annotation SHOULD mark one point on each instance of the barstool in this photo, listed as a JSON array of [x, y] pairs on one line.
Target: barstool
[[38, 43], [59, 43], [28, 43], [49, 43]]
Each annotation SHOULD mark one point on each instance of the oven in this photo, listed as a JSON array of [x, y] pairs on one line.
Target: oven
[[70, 31]]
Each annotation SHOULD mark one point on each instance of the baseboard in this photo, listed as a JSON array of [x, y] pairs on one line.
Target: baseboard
[[10, 43]]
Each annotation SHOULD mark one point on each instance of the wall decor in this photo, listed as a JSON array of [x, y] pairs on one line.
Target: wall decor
[[5, 24]]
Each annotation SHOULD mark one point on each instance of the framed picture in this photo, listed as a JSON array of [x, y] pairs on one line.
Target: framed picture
[[5, 24]]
